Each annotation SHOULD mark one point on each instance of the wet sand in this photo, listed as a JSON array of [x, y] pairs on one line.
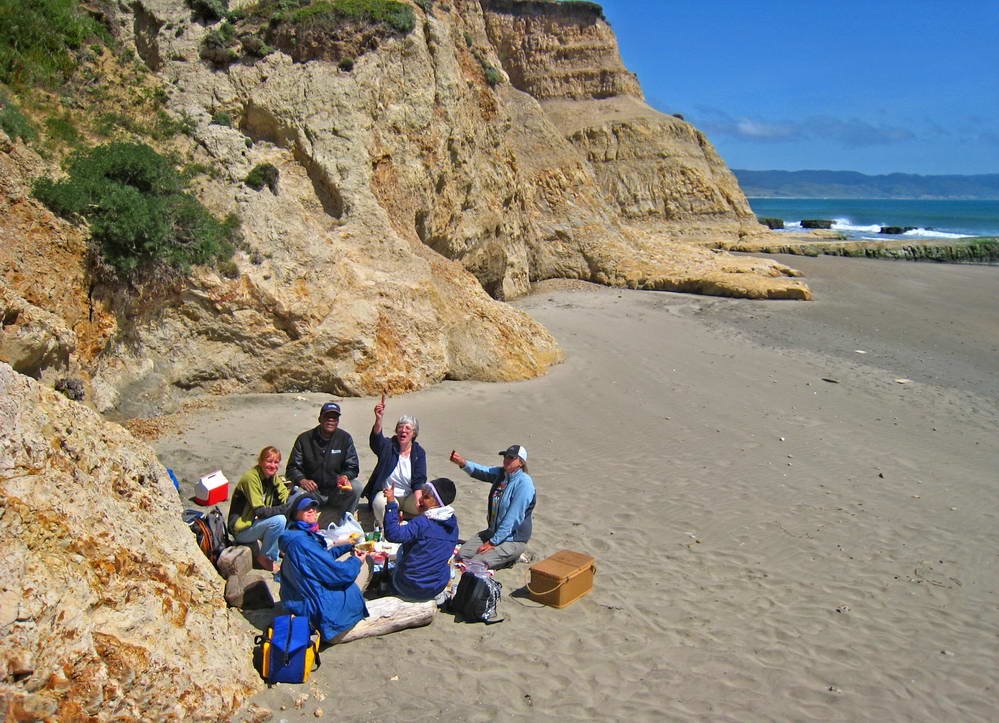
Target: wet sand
[[783, 529]]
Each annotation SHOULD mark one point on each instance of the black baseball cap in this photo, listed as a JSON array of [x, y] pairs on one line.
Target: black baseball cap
[[330, 408]]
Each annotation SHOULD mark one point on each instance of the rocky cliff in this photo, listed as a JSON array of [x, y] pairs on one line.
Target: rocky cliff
[[438, 172], [108, 609]]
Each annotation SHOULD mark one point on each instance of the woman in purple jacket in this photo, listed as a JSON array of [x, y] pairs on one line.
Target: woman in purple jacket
[[427, 541]]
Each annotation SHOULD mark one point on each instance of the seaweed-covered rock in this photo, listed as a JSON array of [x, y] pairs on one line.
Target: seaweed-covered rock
[[816, 223]]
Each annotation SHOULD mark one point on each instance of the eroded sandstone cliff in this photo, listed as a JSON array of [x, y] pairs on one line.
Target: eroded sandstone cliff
[[501, 138], [108, 610]]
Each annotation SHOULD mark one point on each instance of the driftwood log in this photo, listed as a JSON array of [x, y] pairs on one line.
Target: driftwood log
[[388, 614]]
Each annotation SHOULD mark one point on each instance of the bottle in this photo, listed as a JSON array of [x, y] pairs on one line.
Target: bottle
[[378, 534]]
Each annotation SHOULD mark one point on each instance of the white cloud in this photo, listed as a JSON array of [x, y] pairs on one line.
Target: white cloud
[[845, 132]]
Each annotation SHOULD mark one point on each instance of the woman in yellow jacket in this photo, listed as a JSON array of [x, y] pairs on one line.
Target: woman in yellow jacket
[[257, 510]]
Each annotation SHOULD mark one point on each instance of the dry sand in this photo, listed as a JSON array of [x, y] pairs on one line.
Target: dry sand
[[782, 530]]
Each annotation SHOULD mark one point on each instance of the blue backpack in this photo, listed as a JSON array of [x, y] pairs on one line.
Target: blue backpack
[[287, 652]]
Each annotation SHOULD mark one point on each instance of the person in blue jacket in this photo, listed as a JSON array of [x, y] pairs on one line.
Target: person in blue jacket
[[402, 465], [314, 582], [509, 509], [427, 541]]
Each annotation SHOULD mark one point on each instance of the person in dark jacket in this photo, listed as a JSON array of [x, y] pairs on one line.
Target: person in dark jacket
[[314, 582], [323, 463], [427, 541], [402, 465], [509, 509]]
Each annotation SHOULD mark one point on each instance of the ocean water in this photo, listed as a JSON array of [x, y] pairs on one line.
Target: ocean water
[[863, 218]]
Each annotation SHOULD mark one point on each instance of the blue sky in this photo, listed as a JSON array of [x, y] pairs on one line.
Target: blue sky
[[875, 86]]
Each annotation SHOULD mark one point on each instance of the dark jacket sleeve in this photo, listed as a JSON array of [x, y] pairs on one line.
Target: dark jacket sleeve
[[395, 532], [295, 469], [377, 442], [351, 464]]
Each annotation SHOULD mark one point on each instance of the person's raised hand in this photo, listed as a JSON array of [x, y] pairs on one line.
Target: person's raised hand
[[389, 494], [380, 408], [457, 459]]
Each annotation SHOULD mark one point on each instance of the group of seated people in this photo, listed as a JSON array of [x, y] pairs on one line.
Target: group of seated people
[[285, 515]]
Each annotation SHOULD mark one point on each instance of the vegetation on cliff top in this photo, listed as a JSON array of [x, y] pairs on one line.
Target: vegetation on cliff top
[[396, 15], [334, 30], [140, 216], [543, 5]]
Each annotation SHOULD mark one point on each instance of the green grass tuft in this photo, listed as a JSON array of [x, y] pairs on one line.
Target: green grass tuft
[[41, 39], [14, 123]]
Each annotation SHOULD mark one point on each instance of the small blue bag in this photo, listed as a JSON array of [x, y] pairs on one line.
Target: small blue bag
[[287, 652]]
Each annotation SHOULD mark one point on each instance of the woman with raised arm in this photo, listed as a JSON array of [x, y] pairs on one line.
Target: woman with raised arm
[[402, 463]]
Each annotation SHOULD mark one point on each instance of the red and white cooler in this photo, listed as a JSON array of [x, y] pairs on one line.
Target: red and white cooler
[[212, 489]]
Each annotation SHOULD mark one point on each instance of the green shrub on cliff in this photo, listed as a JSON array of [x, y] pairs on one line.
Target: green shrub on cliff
[[209, 9], [220, 46], [263, 174], [139, 214], [305, 29], [13, 122], [396, 15], [493, 76], [40, 40]]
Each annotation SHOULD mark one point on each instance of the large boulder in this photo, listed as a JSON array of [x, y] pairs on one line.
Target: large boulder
[[108, 609]]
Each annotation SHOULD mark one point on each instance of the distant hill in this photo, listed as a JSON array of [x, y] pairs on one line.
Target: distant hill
[[850, 184]]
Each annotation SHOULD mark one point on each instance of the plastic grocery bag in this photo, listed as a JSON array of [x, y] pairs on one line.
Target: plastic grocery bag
[[339, 533]]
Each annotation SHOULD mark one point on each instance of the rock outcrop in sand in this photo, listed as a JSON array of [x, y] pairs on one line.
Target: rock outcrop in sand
[[108, 608], [500, 138]]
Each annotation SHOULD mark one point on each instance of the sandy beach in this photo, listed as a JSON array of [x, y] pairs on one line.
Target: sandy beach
[[785, 528]]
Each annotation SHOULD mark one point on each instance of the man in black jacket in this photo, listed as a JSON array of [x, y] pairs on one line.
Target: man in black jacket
[[324, 463]]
